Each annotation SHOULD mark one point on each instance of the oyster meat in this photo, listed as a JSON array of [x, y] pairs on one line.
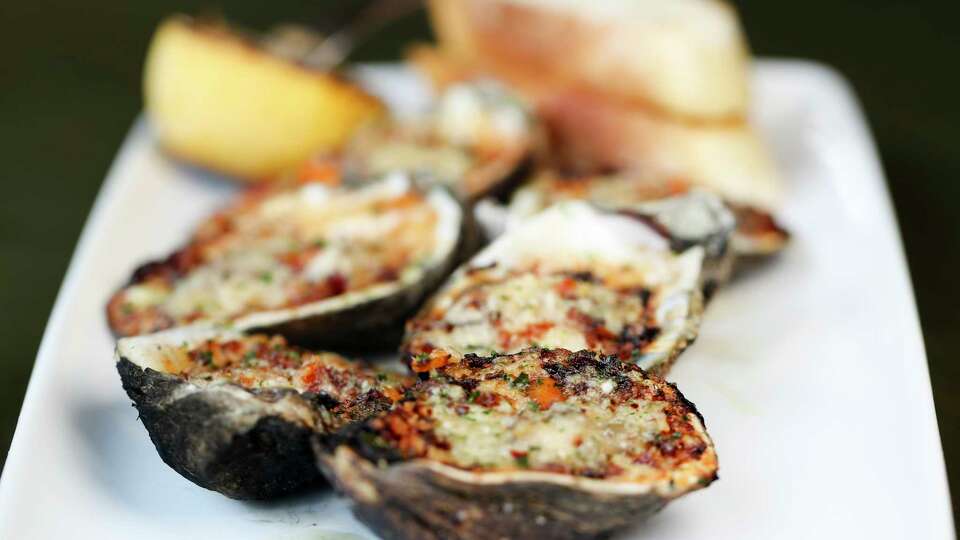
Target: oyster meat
[[573, 277], [478, 139], [315, 263], [538, 444]]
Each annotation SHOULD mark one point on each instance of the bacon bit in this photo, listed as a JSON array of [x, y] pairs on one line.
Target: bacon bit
[[504, 338], [245, 380], [310, 374], [397, 426], [678, 185], [532, 332], [387, 275], [392, 393], [566, 287], [404, 201], [487, 399], [187, 258], [577, 441], [297, 260], [324, 171], [214, 227], [435, 360], [233, 346], [613, 470], [337, 284], [517, 454], [643, 459], [545, 392], [217, 355], [192, 316], [599, 334]]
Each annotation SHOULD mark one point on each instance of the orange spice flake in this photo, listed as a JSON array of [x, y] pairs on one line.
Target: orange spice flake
[[530, 333], [545, 392], [436, 359]]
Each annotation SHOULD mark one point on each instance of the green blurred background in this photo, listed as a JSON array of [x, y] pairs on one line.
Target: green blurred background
[[70, 88]]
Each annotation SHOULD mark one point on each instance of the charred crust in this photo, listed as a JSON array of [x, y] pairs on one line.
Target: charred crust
[[370, 325], [364, 440], [404, 495], [691, 406], [475, 361]]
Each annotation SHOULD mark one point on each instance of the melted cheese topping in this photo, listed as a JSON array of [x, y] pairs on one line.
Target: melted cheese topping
[[592, 307], [582, 438], [283, 249], [262, 362], [472, 126], [556, 411]]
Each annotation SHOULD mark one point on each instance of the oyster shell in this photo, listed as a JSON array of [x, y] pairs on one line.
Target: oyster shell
[[756, 234], [572, 277], [235, 413], [539, 444], [478, 139], [315, 263]]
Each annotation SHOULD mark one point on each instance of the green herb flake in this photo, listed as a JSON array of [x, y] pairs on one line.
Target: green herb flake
[[206, 357], [521, 381]]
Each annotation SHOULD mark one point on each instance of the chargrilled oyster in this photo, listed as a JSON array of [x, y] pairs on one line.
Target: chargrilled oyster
[[756, 232], [572, 277], [315, 263], [478, 139], [538, 444], [235, 413]]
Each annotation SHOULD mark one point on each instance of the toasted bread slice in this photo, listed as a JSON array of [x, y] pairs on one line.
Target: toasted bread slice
[[685, 58], [589, 133]]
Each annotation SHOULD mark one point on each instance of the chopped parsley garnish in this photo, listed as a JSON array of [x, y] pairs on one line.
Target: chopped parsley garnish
[[533, 406], [206, 357], [473, 396], [521, 381], [266, 277]]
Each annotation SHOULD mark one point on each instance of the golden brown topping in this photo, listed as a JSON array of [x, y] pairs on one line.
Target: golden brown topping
[[549, 410], [277, 248]]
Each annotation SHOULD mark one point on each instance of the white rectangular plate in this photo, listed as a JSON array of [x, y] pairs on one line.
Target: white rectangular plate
[[810, 371]]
